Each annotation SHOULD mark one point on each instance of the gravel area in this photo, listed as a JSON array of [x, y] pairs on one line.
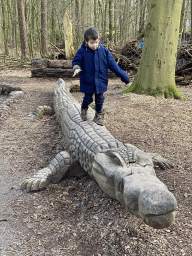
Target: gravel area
[[76, 217]]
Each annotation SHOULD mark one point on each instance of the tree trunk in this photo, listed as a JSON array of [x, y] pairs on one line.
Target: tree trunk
[[182, 21], [53, 23], [44, 43], [4, 27], [110, 21], [69, 50], [22, 28], [95, 13], [191, 20], [142, 7], [104, 23], [78, 27], [156, 73]]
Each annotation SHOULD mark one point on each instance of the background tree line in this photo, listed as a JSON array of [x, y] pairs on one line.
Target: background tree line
[[32, 28]]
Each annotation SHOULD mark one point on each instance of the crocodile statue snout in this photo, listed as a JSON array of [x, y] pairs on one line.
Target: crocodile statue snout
[[122, 171]]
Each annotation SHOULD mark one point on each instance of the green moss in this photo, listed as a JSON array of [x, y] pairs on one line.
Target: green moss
[[51, 200], [131, 88], [173, 92], [170, 92], [54, 186], [155, 92]]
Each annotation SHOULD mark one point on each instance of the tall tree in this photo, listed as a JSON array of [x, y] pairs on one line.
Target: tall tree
[[156, 73], [4, 27], [191, 20], [22, 29], [68, 34], [110, 20], [95, 13], [78, 23], [53, 23], [44, 42], [142, 6], [182, 21], [14, 19]]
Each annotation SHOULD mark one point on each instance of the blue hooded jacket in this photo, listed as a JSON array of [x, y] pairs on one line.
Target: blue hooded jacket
[[94, 65]]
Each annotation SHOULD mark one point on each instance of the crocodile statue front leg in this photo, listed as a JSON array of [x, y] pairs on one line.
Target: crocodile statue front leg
[[51, 174], [145, 158]]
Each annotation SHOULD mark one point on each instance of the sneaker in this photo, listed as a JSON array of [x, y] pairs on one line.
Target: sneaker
[[99, 119], [84, 114]]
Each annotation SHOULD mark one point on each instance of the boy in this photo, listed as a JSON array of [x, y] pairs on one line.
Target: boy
[[92, 61]]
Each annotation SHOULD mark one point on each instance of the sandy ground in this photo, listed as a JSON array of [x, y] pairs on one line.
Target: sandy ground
[[76, 217]]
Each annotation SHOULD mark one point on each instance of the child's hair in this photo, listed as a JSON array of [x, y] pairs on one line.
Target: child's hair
[[91, 33]]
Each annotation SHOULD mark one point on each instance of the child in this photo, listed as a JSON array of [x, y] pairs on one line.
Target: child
[[92, 62], [141, 44]]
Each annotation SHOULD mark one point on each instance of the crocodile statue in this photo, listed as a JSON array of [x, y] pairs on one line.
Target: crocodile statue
[[122, 171]]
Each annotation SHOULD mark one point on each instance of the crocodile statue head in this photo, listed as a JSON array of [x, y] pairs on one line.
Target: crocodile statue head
[[136, 187]]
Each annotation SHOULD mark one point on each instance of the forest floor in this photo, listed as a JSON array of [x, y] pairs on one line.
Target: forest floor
[[76, 217]]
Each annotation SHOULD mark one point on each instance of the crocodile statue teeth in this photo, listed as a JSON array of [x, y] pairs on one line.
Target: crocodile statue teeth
[[122, 171]]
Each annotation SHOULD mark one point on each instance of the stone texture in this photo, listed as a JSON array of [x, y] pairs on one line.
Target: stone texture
[[122, 171]]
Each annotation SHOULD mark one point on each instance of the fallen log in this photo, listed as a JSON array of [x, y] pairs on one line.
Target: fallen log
[[39, 63], [52, 72], [45, 63], [65, 64], [59, 72]]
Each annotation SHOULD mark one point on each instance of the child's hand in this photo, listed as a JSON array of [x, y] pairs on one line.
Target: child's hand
[[76, 72]]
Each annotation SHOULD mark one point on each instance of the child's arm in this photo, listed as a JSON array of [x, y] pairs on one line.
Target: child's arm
[[77, 62], [113, 66]]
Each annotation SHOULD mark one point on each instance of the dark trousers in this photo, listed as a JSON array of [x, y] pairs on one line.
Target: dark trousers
[[99, 100]]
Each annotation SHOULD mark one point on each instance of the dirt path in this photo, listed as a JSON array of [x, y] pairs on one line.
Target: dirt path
[[8, 193], [76, 217]]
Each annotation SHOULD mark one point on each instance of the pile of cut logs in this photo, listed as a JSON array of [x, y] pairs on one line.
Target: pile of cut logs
[[183, 70]]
